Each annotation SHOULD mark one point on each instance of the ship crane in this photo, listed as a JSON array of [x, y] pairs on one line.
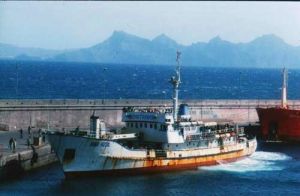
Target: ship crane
[[175, 81]]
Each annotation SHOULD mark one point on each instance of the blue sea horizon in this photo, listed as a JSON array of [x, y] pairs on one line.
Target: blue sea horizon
[[57, 80]]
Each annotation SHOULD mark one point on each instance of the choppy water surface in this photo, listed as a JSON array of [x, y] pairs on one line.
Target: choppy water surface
[[88, 81], [270, 170], [259, 161]]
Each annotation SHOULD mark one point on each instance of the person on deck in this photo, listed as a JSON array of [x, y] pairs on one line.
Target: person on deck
[[28, 142], [14, 144], [29, 131], [21, 133]]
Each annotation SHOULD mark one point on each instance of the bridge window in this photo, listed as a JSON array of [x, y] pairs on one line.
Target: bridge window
[[155, 126], [145, 125], [136, 125], [151, 125], [141, 125]]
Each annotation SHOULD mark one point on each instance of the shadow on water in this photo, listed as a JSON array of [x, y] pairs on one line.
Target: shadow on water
[[171, 183]]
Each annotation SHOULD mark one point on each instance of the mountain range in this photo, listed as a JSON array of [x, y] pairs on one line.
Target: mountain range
[[123, 48]]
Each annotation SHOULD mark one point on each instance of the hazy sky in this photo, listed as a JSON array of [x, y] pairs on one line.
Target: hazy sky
[[60, 25]]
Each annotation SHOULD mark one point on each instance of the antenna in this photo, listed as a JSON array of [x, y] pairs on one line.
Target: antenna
[[175, 81], [284, 89]]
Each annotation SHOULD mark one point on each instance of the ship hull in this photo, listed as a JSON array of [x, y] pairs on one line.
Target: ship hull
[[279, 124], [111, 158], [158, 169]]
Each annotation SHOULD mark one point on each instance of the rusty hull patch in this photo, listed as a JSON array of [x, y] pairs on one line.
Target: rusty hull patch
[[194, 161]]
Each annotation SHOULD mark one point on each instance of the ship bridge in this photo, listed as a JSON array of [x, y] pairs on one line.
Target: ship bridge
[[155, 125], [154, 117]]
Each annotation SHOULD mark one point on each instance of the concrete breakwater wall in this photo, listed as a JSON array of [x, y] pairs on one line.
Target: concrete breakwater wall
[[60, 113]]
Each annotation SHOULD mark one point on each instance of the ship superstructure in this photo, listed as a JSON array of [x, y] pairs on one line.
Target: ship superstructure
[[153, 139]]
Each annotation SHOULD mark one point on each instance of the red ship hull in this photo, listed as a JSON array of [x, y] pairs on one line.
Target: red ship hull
[[279, 123]]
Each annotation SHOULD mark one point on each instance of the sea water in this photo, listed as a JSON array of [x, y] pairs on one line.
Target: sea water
[[29, 79]]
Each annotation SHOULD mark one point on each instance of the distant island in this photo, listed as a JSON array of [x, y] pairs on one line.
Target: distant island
[[123, 48]]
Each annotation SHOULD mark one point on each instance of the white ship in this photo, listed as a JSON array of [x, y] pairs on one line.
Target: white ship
[[154, 139]]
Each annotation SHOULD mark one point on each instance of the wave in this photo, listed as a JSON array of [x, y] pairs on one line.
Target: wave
[[258, 161]]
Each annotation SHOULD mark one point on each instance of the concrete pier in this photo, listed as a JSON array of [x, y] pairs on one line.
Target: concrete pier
[[25, 157]]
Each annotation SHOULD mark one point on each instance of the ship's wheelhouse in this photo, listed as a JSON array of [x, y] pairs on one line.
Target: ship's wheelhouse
[[155, 126]]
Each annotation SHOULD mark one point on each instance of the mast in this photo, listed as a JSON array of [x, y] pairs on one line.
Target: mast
[[284, 90], [175, 81]]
